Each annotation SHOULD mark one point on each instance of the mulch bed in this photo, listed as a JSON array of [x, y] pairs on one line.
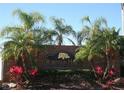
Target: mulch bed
[[64, 81]]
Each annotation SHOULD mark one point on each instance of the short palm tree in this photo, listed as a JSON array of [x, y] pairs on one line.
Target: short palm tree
[[104, 43], [108, 42], [21, 40], [19, 46]]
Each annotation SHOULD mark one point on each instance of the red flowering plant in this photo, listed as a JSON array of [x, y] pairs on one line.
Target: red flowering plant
[[16, 74], [112, 72], [18, 70], [108, 81], [99, 70], [33, 72]]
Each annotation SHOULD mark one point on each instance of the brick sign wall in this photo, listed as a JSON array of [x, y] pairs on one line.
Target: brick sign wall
[[57, 57]]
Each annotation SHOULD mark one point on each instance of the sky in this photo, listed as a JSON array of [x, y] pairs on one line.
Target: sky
[[72, 13]]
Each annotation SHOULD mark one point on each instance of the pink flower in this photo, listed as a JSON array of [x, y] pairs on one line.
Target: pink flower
[[16, 70], [112, 72], [99, 70], [33, 72]]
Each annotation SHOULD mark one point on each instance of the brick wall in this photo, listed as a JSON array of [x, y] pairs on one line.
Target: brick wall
[[46, 58]]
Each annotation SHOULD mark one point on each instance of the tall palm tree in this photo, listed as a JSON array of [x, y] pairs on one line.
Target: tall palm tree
[[93, 27], [88, 30], [79, 37], [48, 36], [61, 29], [29, 20]]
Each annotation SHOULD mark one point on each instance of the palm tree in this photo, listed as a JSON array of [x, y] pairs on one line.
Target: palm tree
[[19, 46], [82, 35], [28, 22], [108, 42], [79, 37], [61, 29], [104, 43], [88, 30], [48, 36], [22, 40], [88, 53], [93, 27], [43, 36]]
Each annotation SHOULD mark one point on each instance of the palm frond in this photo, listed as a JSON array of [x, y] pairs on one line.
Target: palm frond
[[86, 18], [71, 41], [37, 17]]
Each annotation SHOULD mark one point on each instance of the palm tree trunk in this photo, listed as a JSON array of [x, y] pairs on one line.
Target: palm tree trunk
[[60, 40], [92, 67], [108, 64], [23, 61], [59, 43], [24, 65], [32, 60]]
